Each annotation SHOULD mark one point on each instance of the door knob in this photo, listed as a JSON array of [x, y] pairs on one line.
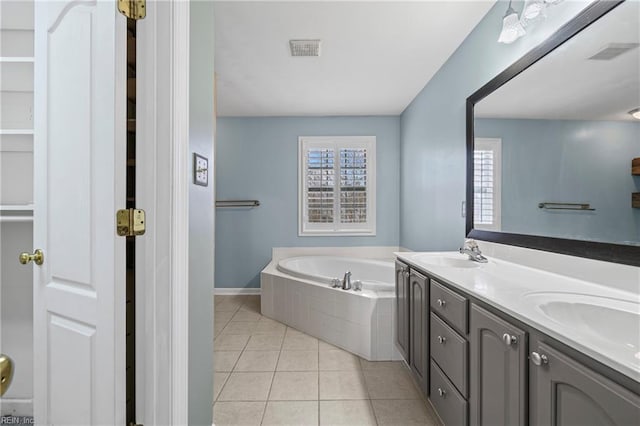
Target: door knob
[[37, 257], [539, 359], [6, 373]]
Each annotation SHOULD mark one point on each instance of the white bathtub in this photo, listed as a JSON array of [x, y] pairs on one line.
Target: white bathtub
[[297, 291], [376, 275]]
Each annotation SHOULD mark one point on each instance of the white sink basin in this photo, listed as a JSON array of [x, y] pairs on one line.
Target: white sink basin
[[447, 260], [603, 320]]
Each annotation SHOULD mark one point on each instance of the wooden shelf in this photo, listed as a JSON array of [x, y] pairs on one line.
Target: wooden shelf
[[635, 200], [635, 166]]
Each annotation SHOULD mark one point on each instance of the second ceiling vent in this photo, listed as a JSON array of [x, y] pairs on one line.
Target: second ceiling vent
[[304, 47]]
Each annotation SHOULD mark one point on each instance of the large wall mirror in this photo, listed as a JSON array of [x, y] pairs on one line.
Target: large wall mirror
[[550, 142]]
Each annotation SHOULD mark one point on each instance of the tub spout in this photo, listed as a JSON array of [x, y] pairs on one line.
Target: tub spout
[[346, 281]]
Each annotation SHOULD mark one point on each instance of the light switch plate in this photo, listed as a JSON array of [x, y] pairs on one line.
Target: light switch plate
[[200, 170]]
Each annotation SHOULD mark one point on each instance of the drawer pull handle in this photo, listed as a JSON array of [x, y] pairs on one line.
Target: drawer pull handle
[[442, 340], [539, 359], [442, 392], [509, 339], [442, 303]]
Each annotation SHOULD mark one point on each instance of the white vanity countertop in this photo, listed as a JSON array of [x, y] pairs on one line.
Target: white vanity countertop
[[601, 322]]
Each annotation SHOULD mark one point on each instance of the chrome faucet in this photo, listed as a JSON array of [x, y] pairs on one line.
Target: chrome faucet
[[346, 281], [471, 249]]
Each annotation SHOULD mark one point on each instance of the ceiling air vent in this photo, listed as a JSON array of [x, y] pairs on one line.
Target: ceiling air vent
[[613, 50], [304, 47]]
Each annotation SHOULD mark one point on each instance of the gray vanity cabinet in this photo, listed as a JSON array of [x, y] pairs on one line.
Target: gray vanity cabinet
[[402, 309], [565, 392], [498, 367], [418, 328]]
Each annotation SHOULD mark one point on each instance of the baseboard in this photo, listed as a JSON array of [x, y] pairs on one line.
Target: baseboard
[[236, 291]]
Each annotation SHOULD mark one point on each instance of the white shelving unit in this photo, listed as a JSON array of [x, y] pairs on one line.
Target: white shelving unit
[[16, 200]]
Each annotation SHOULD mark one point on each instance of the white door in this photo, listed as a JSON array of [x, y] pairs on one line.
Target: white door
[[79, 148]]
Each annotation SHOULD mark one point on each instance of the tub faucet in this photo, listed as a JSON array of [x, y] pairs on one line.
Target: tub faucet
[[471, 249], [346, 281]]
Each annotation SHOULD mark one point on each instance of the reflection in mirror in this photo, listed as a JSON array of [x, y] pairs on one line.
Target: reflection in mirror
[[554, 145]]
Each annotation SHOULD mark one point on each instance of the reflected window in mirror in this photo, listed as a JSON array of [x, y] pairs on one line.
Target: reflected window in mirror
[[487, 183]]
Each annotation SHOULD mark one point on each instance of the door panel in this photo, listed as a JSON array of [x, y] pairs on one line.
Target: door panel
[[418, 326], [402, 310], [565, 392], [498, 371], [80, 147]]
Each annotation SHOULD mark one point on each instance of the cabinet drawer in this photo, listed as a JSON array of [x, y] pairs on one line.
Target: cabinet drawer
[[450, 405], [449, 305], [449, 350]]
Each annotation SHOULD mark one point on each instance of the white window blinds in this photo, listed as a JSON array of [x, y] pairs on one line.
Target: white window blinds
[[483, 187], [487, 183], [337, 186]]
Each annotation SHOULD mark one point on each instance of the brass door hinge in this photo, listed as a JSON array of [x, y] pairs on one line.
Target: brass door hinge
[[133, 9], [130, 222]]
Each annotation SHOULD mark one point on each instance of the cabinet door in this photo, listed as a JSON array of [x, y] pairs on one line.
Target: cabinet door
[[402, 309], [418, 327], [498, 370], [565, 392]]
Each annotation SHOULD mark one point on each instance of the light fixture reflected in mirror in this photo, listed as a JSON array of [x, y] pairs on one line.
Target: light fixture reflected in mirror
[[635, 113], [512, 28], [532, 9]]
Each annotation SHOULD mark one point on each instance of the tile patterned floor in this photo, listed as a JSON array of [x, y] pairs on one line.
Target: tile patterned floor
[[269, 374]]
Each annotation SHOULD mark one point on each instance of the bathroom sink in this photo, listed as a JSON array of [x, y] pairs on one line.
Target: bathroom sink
[[610, 321], [447, 260]]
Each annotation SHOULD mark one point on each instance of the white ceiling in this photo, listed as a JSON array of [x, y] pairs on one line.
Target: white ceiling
[[566, 85], [375, 56]]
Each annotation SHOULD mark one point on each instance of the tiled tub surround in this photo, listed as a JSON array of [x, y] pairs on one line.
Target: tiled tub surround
[[519, 291], [270, 374], [361, 322]]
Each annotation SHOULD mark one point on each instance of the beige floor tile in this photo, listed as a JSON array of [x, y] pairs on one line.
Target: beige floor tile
[[338, 360], [402, 412], [299, 342], [246, 387], [230, 342], [347, 413], [298, 361], [340, 385], [222, 317], [257, 361], [251, 304], [324, 346], [242, 315], [382, 365], [294, 386], [243, 327], [263, 327], [390, 384], [291, 413], [238, 413], [225, 360], [219, 379], [227, 305], [265, 342]]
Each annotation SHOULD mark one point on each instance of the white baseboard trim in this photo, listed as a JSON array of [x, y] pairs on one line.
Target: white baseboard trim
[[237, 291]]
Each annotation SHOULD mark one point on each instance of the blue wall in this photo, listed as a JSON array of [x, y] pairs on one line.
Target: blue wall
[[567, 161], [258, 159], [432, 128]]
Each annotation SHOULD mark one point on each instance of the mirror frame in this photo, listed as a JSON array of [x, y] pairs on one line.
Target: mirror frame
[[617, 253]]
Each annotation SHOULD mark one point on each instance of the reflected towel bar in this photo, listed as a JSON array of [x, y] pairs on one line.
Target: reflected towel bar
[[237, 203], [566, 206]]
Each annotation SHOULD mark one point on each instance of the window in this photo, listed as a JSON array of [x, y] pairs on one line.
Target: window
[[487, 180], [337, 185]]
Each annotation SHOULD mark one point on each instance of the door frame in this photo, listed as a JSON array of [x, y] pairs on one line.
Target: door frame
[[162, 190]]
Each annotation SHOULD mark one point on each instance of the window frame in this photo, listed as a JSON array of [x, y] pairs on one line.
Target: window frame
[[336, 228], [495, 145]]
